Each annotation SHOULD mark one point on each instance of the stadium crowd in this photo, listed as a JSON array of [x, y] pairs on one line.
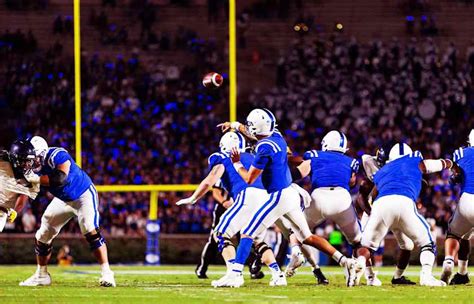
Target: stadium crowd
[[152, 122]]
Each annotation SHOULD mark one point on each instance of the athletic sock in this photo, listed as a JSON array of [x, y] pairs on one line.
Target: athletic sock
[[369, 272], [274, 268], [229, 263], [42, 270], [398, 273], [427, 259], [243, 252], [462, 267], [339, 258], [295, 250], [105, 267]]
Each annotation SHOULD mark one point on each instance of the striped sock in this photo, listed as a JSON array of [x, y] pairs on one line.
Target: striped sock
[[274, 268]]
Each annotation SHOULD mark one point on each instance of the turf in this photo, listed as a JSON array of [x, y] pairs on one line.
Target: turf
[[177, 284]]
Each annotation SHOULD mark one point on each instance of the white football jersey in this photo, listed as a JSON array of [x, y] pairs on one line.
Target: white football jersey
[[370, 165], [10, 188]]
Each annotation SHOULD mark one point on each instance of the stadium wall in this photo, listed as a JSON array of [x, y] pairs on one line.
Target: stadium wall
[[175, 249]]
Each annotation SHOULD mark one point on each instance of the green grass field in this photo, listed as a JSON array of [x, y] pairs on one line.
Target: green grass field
[[177, 284]]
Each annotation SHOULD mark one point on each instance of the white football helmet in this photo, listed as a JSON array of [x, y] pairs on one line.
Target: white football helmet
[[399, 150], [41, 149], [334, 141], [232, 140], [261, 122], [470, 139]]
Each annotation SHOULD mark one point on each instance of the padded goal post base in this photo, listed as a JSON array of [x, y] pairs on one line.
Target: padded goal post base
[[152, 255]]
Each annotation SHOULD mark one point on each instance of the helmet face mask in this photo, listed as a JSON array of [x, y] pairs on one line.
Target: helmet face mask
[[22, 156], [380, 157]]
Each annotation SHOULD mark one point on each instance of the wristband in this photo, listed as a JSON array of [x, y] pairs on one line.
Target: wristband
[[237, 166], [235, 125]]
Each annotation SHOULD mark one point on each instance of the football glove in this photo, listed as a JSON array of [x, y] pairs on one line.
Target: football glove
[[12, 214], [33, 178]]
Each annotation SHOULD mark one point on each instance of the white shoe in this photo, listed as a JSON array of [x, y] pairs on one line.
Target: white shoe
[[429, 280], [448, 267], [278, 280], [37, 280], [296, 261], [350, 272], [231, 279], [359, 271], [107, 279], [373, 280]]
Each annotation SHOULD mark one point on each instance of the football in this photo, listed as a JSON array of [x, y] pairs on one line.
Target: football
[[212, 80]]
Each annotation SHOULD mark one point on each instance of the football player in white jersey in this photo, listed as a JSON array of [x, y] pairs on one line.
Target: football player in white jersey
[[461, 225], [398, 186], [14, 189]]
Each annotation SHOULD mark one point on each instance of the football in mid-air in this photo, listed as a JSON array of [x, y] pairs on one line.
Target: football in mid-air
[[212, 80]]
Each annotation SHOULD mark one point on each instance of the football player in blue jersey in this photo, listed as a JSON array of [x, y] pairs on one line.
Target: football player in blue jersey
[[247, 198], [397, 187], [371, 165], [74, 196], [271, 164], [461, 226]]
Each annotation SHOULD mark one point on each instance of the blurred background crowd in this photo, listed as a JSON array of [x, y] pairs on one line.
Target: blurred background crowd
[[148, 120]]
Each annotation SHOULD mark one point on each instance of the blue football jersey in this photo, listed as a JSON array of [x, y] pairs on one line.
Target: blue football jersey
[[77, 181], [271, 157], [231, 179], [331, 169], [464, 158], [400, 177]]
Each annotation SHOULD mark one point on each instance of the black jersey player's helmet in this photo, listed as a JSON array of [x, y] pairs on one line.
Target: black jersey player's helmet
[[22, 156], [380, 157]]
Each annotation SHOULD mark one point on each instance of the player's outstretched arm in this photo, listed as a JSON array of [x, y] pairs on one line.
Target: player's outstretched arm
[[249, 176], [303, 170], [428, 166], [226, 126], [212, 178]]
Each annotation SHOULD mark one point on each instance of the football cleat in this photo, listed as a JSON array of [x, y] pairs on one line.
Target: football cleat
[[430, 280], [200, 275], [351, 270], [256, 272], [232, 279], [402, 281], [296, 261], [107, 279], [37, 280], [278, 280], [359, 270], [460, 279], [373, 280], [318, 274], [448, 266]]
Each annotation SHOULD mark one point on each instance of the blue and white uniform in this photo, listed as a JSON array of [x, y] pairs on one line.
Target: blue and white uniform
[[371, 167], [462, 222], [331, 173], [399, 185], [247, 198], [77, 197], [284, 200]]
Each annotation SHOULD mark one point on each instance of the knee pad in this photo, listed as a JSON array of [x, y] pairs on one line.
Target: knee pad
[[223, 241], [261, 247], [42, 249], [95, 240], [429, 247]]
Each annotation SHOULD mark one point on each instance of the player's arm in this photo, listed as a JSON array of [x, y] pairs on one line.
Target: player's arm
[[428, 166], [353, 180], [222, 197], [226, 126], [212, 178], [20, 203], [249, 176], [303, 170]]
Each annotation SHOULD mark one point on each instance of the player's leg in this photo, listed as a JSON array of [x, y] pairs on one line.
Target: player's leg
[[460, 227], [462, 276], [406, 246], [375, 230], [88, 217], [416, 228], [210, 249], [296, 255], [268, 258], [56, 215]]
